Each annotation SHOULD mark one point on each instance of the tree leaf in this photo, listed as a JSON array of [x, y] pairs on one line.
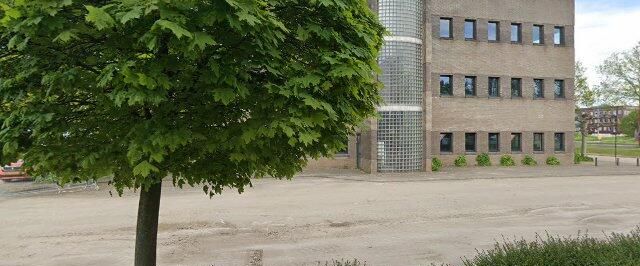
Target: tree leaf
[[100, 18], [144, 169], [176, 29]]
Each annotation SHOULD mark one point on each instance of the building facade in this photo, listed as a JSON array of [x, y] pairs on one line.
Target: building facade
[[466, 77], [606, 120]]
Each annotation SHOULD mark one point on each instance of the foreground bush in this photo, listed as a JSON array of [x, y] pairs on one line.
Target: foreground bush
[[436, 164], [343, 263], [507, 160], [553, 161], [578, 158], [617, 249], [461, 161], [529, 161], [483, 160]]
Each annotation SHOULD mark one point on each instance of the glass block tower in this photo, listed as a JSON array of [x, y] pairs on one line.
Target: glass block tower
[[400, 135]]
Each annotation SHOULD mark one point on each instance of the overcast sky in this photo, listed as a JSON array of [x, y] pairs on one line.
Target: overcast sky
[[604, 27]]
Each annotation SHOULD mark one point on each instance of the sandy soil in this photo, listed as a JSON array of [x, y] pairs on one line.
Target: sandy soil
[[414, 222]]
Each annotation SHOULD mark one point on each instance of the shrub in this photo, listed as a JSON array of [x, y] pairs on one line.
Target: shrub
[[578, 158], [552, 160], [483, 160], [616, 249], [529, 161], [436, 164], [461, 161], [507, 160]]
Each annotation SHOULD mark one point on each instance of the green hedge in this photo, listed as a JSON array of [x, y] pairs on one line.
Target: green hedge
[[507, 160], [483, 160], [436, 164], [529, 161], [553, 161], [616, 249], [461, 161]]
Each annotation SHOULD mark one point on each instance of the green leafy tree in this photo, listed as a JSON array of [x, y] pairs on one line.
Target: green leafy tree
[[211, 93], [586, 96], [628, 125], [621, 78]]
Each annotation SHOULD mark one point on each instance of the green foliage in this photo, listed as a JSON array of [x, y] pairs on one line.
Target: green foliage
[[620, 79], [483, 160], [436, 164], [578, 158], [212, 92], [585, 95], [553, 161], [461, 161], [507, 160], [528, 160], [616, 249], [629, 124]]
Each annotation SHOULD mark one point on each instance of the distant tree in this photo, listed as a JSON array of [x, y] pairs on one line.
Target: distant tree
[[212, 93], [629, 125], [621, 77], [586, 96]]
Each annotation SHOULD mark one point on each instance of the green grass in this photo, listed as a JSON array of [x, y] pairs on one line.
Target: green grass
[[615, 249], [609, 151], [607, 140]]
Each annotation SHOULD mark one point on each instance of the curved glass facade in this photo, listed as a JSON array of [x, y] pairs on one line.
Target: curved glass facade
[[400, 126]]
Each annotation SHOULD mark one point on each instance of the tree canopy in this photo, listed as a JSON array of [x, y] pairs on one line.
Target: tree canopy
[[621, 76], [211, 92]]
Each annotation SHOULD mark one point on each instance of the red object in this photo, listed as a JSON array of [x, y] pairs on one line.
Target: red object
[[13, 172]]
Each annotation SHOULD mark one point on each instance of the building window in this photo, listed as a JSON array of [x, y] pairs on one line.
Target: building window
[[516, 88], [538, 88], [516, 33], [446, 86], [494, 142], [538, 142], [559, 89], [470, 86], [446, 142], [559, 142], [470, 29], [470, 142], [494, 87], [446, 28], [493, 31], [538, 34], [516, 142], [558, 36]]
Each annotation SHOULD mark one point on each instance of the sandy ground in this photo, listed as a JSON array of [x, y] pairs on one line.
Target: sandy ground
[[384, 219]]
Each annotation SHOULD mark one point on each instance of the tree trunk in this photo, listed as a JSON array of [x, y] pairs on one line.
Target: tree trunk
[[147, 228], [583, 144], [638, 129]]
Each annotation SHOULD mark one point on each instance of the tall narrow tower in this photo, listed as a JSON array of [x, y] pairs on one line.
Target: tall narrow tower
[[400, 136]]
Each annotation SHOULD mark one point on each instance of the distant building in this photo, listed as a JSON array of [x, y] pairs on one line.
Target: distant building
[[606, 119]]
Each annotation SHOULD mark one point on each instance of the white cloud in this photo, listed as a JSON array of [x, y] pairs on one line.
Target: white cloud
[[599, 33]]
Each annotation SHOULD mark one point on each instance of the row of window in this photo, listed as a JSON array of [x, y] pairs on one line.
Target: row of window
[[470, 142], [470, 87], [494, 34]]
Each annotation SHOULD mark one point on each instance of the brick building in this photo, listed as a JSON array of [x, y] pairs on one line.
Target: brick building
[[464, 77], [606, 119]]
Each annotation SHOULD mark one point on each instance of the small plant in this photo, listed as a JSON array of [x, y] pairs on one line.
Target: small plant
[[461, 161], [507, 160], [552, 160], [578, 158], [436, 164], [343, 263], [529, 161], [483, 160]]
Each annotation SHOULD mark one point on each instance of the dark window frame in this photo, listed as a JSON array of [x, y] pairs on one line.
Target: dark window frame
[[541, 150], [489, 90], [497, 23], [450, 36], [563, 95], [475, 29], [541, 33], [563, 145], [562, 40], [475, 143], [475, 86], [518, 148], [535, 95], [450, 145], [497, 144], [450, 77], [518, 33], [519, 95]]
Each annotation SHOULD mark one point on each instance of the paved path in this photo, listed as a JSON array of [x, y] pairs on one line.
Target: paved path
[[383, 219]]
